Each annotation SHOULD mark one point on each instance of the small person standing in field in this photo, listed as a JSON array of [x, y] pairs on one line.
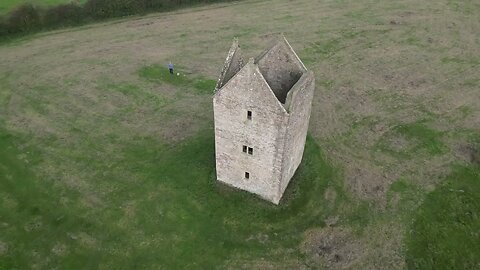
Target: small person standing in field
[[170, 67]]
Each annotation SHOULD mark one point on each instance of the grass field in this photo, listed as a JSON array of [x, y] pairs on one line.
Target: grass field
[[106, 161]]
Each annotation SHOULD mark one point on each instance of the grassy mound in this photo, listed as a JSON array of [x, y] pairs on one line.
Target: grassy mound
[[171, 213]]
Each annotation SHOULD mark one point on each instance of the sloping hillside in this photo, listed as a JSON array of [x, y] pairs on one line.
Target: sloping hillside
[[105, 162]]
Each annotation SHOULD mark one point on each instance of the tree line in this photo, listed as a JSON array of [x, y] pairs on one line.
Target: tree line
[[28, 18]]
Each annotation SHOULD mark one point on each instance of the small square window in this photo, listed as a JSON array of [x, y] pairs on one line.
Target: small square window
[[247, 175], [244, 148], [249, 115], [250, 150]]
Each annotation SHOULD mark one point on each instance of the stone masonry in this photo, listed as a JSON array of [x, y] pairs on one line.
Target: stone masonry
[[261, 110]]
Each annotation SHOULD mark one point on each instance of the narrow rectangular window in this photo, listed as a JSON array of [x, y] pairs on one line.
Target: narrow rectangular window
[[249, 115], [250, 150], [244, 148], [247, 175]]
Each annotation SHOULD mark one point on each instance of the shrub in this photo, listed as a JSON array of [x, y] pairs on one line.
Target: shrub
[[3, 27], [25, 18], [28, 18], [64, 15], [100, 9], [153, 5]]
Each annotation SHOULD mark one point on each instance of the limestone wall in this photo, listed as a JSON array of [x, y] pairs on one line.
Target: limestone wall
[[233, 63], [248, 91], [297, 127]]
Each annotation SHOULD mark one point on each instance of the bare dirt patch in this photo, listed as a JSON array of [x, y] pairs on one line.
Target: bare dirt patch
[[469, 153], [3, 248], [333, 247], [33, 225], [367, 183], [87, 240], [59, 249], [330, 195]]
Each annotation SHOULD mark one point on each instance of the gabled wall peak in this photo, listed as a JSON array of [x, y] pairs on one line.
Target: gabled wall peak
[[279, 65], [233, 63]]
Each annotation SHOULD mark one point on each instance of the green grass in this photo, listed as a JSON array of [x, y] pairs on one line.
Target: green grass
[[139, 97], [5, 94], [424, 136], [409, 198], [158, 73], [419, 137], [331, 46], [320, 50], [179, 210], [30, 213], [464, 7], [471, 82], [446, 231], [203, 85], [8, 5], [456, 60]]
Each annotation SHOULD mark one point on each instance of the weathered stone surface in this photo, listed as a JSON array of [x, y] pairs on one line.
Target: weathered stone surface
[[233, 64], [277, 90], [281, 68]]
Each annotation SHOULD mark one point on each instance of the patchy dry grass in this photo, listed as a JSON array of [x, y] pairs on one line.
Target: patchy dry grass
[[123, 151]]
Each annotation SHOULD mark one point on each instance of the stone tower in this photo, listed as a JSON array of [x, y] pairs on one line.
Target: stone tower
[[261, 110]]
